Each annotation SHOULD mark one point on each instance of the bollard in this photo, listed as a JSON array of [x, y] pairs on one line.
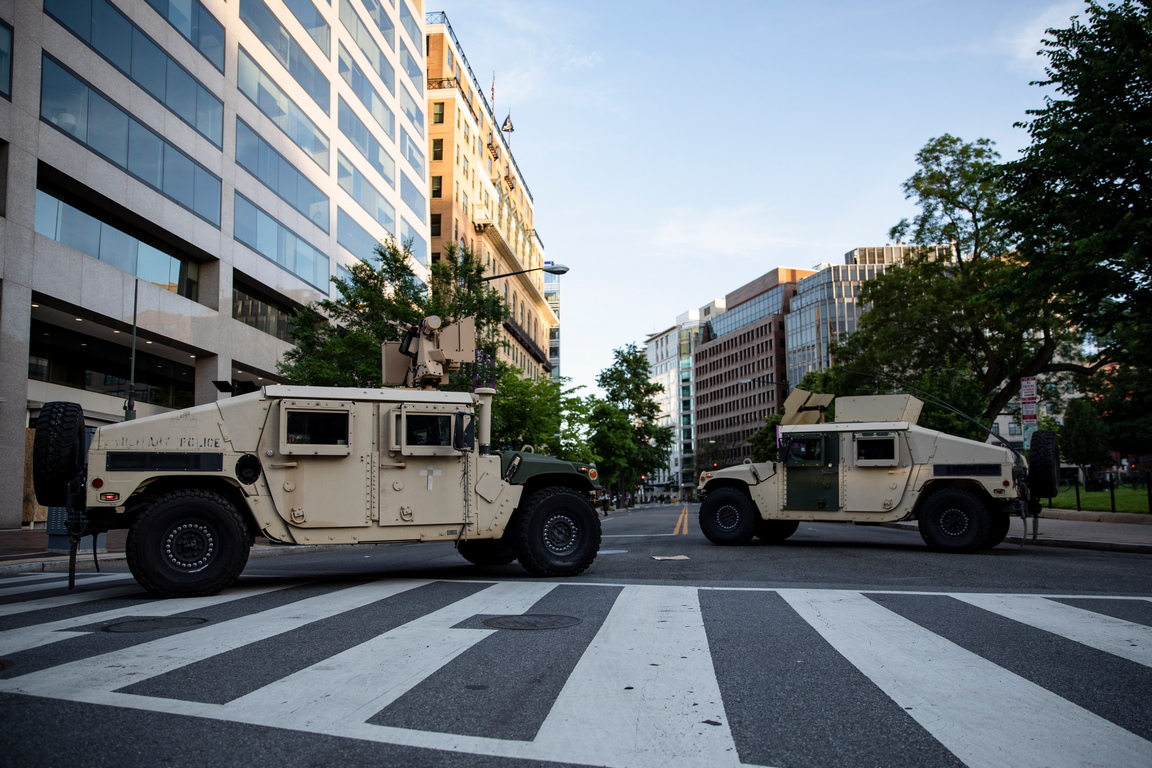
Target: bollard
[[1076, 481], [1112, 489]]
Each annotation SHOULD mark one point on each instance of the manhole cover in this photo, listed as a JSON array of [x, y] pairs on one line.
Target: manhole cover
[[531, 621], [154, 624]]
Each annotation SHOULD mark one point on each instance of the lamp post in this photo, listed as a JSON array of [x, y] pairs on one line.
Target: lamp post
[[552, 269]]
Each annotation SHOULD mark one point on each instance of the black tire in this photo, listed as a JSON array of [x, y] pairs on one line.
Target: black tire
[[556, 533], [1044, 465], [187, 543], [1000, 524], [487, 551], [57, 451], [955, 520], [775, 531], [728, 516]]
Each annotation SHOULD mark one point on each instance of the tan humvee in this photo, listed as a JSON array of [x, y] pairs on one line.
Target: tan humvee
[[321, 465], [874, 465]]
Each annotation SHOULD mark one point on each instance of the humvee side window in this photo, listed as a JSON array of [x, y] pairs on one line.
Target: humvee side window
[[428, 429], [805, 451], [315, 428], [876, 450]]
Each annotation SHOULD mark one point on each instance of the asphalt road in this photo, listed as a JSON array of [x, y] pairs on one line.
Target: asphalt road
[[844, 646]]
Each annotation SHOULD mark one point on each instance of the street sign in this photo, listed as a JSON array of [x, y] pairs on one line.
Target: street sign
[[1028, 412], [1029, 430], [1028, 389]]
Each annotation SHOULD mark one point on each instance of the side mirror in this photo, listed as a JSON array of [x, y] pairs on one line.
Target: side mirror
[[464, 433]]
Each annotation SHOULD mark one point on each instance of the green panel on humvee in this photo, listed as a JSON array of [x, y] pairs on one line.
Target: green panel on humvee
[[811, 472]]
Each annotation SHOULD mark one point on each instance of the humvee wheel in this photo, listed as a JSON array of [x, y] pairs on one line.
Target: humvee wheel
[[557, 533], [955, 520], [487, 551], [1001, 523], [775, 531], [728, 516], [187, 543], [57, 451]]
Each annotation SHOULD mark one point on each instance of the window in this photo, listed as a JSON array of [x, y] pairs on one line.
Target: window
[[79, 225], [410, 194], [411, 66], [352, 181], [367, 95], [434, 225], [367, 45], [408, 20], [274, 170], [268, 237], [280, 43], [411, 150], [316, 429], [262, 90], [411, 108], [192, 20], [78, 110], [437, 149], [354, 237], [5, 60], [875, 450], [383, 21], [367, 144], [411, 236], [1014, 428], [437, 186], [428, 429], [805, 450], [313, 23], [257, 309], [437, 111]]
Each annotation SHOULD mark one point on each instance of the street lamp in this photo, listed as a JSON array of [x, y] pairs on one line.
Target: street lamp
[[552, 269]]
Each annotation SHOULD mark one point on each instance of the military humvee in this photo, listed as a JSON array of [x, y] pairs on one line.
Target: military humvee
[[875, 465], [319, 465]]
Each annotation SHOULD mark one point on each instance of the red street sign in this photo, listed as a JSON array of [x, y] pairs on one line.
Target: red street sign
[[1028, 389]]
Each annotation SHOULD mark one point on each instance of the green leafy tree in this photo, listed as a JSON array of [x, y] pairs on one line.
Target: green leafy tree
[[1083, 438], [763, 440], [950, 321], [629, 399], [338, 340], [1122, 395], [541, 413], [1080, 193]]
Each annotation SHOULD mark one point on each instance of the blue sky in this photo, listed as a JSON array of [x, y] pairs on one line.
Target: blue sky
[[676, 151]]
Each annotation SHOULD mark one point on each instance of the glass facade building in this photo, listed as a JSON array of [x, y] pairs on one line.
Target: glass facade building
[[199, 169]]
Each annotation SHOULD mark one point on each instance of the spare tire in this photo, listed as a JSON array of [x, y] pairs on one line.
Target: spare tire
[[57, 451], [1044, 465]]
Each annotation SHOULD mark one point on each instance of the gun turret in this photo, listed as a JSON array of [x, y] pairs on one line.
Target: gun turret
[[427, 353]]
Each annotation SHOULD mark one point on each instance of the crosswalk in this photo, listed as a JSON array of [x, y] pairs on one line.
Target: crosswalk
[[648, 676]]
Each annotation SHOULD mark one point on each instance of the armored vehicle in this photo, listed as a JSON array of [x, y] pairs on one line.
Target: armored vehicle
[[319, 465], [875, 465]]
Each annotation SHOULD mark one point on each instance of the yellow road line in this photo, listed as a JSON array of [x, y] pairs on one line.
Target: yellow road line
[[682, 522]]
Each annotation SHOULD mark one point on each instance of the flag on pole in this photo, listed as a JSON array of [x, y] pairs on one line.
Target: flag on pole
[[507, 126]]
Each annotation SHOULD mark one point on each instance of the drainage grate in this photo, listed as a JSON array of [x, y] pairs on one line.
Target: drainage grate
[[154, 624], [531, 621]]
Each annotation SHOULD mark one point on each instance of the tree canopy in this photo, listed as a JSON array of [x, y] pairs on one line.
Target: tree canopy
[[1081, 194]]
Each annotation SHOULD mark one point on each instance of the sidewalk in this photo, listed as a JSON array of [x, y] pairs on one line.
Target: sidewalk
[[22, 550]]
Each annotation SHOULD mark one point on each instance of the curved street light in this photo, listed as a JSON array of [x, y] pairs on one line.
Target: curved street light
[[552, 269]]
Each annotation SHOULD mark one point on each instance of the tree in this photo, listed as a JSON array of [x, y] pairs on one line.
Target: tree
[[1082, 437], [950, 321], [1081, 191], [642, 449], [763, 440], [540, 413], [338, 340], [1122, 394]]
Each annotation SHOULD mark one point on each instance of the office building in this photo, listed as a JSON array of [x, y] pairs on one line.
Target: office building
[[670, 354], [827, 305], [740, 367], [193, 171], [479, 199]]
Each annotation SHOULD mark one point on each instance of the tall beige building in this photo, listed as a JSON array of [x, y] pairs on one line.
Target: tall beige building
[[205, 166], [479, 199]]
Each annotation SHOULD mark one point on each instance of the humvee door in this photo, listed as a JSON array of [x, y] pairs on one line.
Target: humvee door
[[426, 452], [812, 471]]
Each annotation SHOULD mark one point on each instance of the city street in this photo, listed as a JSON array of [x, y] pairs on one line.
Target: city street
[[844, 646]]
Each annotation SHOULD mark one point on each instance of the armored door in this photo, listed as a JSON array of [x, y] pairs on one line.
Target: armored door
[[424, 479], [812, 472]]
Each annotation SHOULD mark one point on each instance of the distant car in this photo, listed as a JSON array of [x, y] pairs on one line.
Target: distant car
[[875, 465]]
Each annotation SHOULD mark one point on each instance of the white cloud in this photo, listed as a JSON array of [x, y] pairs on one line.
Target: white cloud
[[1023, 42]]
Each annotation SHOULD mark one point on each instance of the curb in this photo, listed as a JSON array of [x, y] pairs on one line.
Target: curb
[[1102, 546], [119, 560], [1090, 516]]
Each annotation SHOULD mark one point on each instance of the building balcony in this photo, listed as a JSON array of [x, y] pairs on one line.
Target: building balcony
[[450, 84], [523, 339]]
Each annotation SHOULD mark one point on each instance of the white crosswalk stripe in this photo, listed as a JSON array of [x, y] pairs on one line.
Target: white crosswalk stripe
[[63, 584], [645, 685]]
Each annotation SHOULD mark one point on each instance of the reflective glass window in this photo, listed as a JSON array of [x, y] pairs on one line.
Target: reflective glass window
[[352, 181], [192, 20], [313, 22], [355, 77], [408, 20], [383, 21], [260, 19], [411, 107], [410, 193], [367, 45], [275, 242], [277, 173], [411, 150], [145, 154], [255, 83], [412, 66], [5, 60], [364, 141], [108, 132], [354, 237], [411, 236]]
